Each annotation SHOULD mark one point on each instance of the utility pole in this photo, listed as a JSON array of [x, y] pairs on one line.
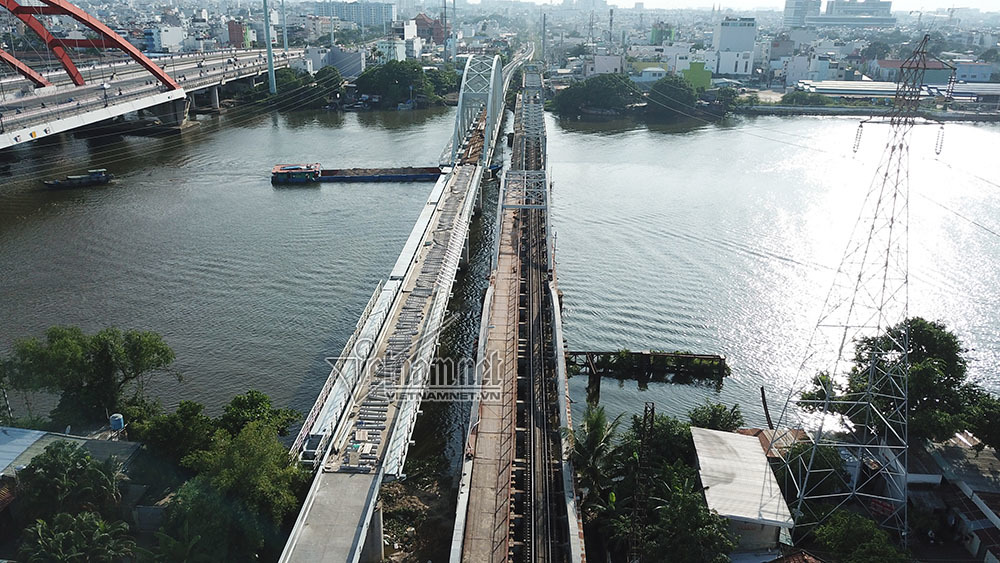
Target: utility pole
[[543, 40], [284, 28], [271, 85], [444, 23], [454, 32]]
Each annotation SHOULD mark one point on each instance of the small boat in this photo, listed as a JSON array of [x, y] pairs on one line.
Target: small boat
[[97, 177]]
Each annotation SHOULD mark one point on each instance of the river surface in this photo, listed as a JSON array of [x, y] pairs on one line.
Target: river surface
[[715, 239]]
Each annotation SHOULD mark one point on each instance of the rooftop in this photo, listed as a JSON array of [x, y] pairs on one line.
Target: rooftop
[[19, 446], [737, 478]]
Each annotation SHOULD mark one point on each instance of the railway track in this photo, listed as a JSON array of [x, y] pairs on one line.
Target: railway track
[[540, 518]]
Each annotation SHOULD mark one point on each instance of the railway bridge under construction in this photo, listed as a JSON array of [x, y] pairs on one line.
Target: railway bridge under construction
[[358, 432]]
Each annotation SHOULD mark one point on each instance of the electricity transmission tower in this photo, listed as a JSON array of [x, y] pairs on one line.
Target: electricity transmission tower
[[861, 400]]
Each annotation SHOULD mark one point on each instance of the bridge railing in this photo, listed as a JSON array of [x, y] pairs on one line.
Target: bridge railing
[[337, 367]]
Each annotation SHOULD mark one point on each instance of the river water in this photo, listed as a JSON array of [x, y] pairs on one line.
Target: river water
[[715, 239]]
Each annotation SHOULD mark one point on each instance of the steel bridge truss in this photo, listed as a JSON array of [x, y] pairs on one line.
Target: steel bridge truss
[[482, 88], [105, 39]]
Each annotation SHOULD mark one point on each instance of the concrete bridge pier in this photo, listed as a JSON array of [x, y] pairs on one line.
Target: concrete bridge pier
[[372, 551], [173, 113], [213, 92]]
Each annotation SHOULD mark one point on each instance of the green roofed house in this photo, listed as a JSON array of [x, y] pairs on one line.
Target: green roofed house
[[698, 76]]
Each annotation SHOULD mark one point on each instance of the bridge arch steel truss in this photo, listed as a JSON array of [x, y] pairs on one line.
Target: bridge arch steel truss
[[482, 88], [106, 39]]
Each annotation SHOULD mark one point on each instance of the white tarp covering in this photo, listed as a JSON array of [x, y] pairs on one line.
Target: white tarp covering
[[738, 481]]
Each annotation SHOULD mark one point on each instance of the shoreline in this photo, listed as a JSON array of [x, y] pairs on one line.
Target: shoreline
[[863, 111]]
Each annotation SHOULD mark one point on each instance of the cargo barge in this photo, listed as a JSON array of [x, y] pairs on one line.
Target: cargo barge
[[311, 173]]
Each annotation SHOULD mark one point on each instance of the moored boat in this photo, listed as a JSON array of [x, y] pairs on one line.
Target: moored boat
[[97, 177]]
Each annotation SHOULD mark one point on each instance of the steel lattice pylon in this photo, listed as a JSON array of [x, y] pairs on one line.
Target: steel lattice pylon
[[866, 396]]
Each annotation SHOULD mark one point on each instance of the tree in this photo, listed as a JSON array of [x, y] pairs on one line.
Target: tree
[[800, 98], [329, 79], [679, 526], [65, 478], [938, 392], [178, 434], [601, 92], [716, 416], [669, 441], [253, 467], [828, 476], [592, 444], [671, 96], [727, 97], [990, 55], [84, 538], [443, 81], [853, 538], [247, 484], [876, 50], [393, 81], [94, 374], [254, 406]]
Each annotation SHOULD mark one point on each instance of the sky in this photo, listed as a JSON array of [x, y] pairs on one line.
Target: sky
[[900, 5]]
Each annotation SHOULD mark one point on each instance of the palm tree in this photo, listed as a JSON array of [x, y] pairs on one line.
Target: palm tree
[[71, 539], [590, 450]]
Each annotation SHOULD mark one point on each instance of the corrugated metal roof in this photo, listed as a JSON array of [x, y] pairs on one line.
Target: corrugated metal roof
[[13, 443], [737, 478]]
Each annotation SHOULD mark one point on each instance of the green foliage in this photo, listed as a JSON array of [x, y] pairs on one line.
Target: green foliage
[[853, 538], [329, 80], [990, 55], [65, 478], [727, 97], [828, 475], [716, 416], [669, 441], [602, 92], [752, 99], [443, 81], [800, 98], [876, 50], [671, 96], [577, 50], [393, 80], [254, 406], [251, 466], [592, 444], [681, 528], [94, 374], [178, 434], [84, 538], [247, 485]]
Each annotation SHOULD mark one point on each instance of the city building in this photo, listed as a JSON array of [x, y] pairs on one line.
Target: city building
[[390, 49], [888, 70], [857, 13], [604, 64], [404, 29], [365, 14], [796, 11], [699, 77], [735, 34], [164, 38], [350, 63], [968, 71], [239, 35], [649, 75]]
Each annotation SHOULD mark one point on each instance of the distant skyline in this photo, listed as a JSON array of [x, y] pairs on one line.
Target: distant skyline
[[897, 5]]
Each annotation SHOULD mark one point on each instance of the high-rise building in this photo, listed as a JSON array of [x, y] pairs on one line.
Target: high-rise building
[[735, 34], [796, 11], [854, 13], [366, 14]]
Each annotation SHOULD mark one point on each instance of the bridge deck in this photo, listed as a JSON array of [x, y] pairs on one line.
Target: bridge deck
[[342, 494], [491, 441]]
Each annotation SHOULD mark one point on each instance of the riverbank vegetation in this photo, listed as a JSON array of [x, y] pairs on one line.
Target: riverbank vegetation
[[670, 98], [224, 488], [942, 400], [614, 484]]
